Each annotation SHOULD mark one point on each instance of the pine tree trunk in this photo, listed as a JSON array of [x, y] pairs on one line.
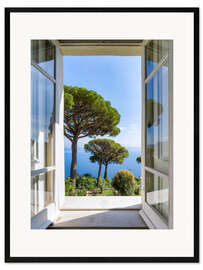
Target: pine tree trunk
[[99, 173], [105, 172], [74, 161]]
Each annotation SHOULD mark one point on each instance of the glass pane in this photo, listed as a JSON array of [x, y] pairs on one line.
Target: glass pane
[[156, 117], [42, 191], [43, 54], [157, 193], [42, 121], [155, 50], [49, 188]]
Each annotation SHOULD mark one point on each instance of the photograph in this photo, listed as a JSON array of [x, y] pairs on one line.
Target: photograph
[[117, 123], [101, 134]]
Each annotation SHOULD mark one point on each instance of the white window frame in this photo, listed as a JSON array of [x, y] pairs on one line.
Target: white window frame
[[48, 168], [155, 218]]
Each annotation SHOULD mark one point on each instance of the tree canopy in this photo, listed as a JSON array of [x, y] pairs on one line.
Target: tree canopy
[[86, 113], [98, 148], [106, 151], [115, 153]]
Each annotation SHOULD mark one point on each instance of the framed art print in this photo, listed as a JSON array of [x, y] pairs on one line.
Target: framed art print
[[102, 134]]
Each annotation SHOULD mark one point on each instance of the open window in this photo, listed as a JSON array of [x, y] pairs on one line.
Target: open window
[[157, 180], [47, 119]]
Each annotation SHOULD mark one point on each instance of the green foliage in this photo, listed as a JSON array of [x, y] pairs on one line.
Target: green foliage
[[68, 101], [138, 159], [82, 192], [137, 190], [124, 183], [87, 112], [101, 184], [77, 176], [107, 192], [86, 182], [87, 175], [107, 182], [68, 186], [98, 147], [138, 186], [138, 180], [106, 151]]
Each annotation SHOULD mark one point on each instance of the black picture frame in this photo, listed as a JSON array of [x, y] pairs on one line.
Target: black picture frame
[[8, 257]]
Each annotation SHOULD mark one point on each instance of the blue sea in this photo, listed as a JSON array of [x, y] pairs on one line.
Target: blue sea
[[85, 166]]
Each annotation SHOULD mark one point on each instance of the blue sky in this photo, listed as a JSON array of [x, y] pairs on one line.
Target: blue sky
[[117, 79]]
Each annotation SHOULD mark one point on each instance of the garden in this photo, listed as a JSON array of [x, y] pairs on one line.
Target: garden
[[124, 183]]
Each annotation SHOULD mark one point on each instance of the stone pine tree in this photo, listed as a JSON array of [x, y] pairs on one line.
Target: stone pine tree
[[105, 151], [115, 155], [87, 114], [98, 148]]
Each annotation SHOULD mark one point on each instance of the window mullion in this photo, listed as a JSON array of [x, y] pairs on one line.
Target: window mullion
[[44, 72], [156, 172], [43, 170], [158, 66]]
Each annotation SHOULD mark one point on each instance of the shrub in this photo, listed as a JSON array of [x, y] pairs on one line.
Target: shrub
[[88, 175], [138, 186], [138, 180], [107, 182], [101, 184], [124, 183], [81, 192], [85, 182], [137, 190], [68, 186], [77, 178]]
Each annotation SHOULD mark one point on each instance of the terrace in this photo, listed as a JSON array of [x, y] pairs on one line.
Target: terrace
[[100, 213]]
